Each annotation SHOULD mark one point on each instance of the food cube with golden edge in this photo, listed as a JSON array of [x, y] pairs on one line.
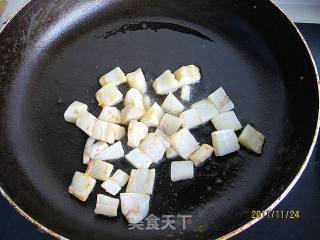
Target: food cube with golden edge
[[108, 96], [153, 116], [114, 77], [81, 186], [74, 111], [86, 122], [99, 170], [201, 154]]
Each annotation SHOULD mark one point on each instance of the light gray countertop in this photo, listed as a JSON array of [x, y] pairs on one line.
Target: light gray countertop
[[301, 11]]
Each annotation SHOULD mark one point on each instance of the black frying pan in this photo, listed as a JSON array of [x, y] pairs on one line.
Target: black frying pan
[[53, 52]]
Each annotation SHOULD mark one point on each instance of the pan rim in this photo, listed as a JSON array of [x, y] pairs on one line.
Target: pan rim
[[251, 222], [307, 159]]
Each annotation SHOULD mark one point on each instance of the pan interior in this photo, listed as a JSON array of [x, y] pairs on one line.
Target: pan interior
[[61, 54]]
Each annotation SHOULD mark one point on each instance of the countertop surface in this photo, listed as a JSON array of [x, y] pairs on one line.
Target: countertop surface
[[305, 197]]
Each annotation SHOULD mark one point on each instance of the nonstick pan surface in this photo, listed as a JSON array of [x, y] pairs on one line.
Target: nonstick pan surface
[[53, 53]]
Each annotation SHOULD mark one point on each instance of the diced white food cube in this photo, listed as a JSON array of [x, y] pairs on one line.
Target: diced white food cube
[[110, 114], [100, 130], [153, 116], [153, 146], [111, 187], [138, 158], [137, 131], [221, 101], [224, 142], [171, 153], [226, 120], [90, 141], [185, 93], [99, 170], [170, 124], [118, 131], [165, 139], [81, 186], [137, 80], [146, 102], [252, 139], [202, 154], [108, 132], [86, 122], [184, 143], [120, 177], [188, 74], [190, 118], [181, 170], [206, 110], [134, 206], [114, 77], [108, 96], [131, 112], [141, 181], [134, 97], [74, 111], [111, 133], [112, 152], [172, 105], [107, 206], [95, 148], [165, 83]]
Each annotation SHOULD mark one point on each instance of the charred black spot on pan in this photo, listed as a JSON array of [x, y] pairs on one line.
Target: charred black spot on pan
[[154, 26]]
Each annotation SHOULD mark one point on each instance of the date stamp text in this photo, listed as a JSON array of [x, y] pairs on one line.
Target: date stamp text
[[276, 214]]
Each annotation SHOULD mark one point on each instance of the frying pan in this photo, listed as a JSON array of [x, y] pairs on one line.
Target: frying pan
[[52, 53]]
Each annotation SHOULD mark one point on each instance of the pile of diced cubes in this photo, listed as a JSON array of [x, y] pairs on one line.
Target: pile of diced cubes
[[155, 132]]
